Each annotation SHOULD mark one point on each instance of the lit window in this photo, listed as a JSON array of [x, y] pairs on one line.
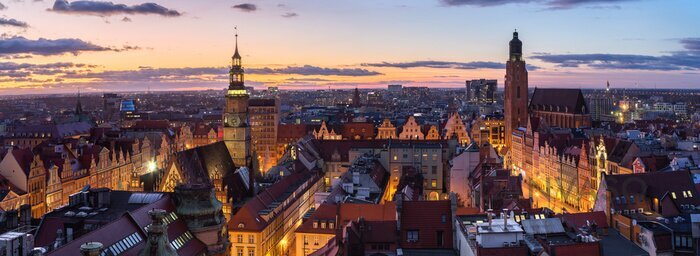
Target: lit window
[[239, 238], [685, 194], [433, 183], [673, 195], [690, 193]]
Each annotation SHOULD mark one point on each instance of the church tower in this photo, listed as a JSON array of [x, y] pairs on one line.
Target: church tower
[[515, 102], [236, 121]]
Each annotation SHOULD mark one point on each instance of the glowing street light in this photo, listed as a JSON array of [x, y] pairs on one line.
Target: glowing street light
[[152, 166]]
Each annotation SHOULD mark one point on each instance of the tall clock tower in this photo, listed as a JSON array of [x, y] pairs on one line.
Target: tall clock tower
[[236, 121]]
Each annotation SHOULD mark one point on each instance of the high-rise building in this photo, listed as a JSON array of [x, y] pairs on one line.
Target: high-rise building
[[264, 120], [111, 103], [482, 91], [601, 106], [356, 102], [236, 121], [515, 103]]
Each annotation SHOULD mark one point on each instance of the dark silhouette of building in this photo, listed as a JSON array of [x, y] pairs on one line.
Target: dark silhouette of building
[[356, 99]]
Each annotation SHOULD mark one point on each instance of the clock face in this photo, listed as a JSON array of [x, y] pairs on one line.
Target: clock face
[[233, 120]]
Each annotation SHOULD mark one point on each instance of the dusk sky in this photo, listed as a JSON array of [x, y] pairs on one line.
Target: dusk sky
[[55, 46]]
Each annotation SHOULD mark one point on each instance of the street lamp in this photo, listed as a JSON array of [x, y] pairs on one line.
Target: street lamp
[[151, 166]]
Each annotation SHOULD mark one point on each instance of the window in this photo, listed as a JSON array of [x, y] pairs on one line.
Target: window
[[433, 183], [690, 193], [239, 251], [239, 239], [434, 169], [444, 218], [251, 239], [439, 238], [331, 225], [306, 240], [323, 224], [251, 251], [685, 194], [412, 235], [315, 240], [673, 195], [315, 224]]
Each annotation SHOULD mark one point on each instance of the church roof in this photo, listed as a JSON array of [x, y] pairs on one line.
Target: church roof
[[559, 100]]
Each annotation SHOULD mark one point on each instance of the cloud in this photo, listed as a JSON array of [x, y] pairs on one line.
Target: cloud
[[308, 70], [691, 44], [42, 46], [439, 64], [444, 64], [190, 74], [687, 60], [100, 8], [13, 23], [551, 4], [290, 15], [23, 72], [247, 7], [2, 6]]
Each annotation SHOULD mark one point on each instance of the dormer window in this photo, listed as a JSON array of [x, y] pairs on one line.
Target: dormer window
[[315, 224], [673, 195], [323, 224], [690, 193]]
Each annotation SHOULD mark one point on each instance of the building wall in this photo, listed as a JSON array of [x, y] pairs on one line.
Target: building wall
[[462, 166], [278, 236], [307, 243]]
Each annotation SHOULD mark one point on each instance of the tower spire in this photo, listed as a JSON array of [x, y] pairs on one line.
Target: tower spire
[[236, 55]]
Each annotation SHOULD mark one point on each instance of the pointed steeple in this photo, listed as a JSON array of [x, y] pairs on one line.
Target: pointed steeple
[[236, 55], [236, 82], [236, 59]]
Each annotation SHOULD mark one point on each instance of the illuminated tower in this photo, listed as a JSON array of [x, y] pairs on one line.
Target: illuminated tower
[[515, 103], [236, 128]]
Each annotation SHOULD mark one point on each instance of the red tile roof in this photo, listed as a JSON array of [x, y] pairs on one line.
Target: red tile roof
[[427, 217], [248, 218], [346, 213], [578, 220]]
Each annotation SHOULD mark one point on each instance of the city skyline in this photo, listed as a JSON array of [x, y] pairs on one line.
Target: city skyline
[[64, 46]]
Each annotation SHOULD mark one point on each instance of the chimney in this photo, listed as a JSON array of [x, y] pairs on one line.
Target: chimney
[[157, 241], [25, 215], [12, 221], [488, 215], [60, 240], [91, 249], [399, 207]]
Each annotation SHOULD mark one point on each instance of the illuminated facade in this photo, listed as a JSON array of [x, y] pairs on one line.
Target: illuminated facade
[[455, 127], [265, 225], [386, 130], [323, 133], [489, 130], [264, 120], [411, 130]]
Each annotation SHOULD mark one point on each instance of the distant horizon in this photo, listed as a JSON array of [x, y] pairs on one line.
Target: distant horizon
[[500, 89]]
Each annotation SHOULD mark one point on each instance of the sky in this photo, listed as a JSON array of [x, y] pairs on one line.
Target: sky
[[58, 46]]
